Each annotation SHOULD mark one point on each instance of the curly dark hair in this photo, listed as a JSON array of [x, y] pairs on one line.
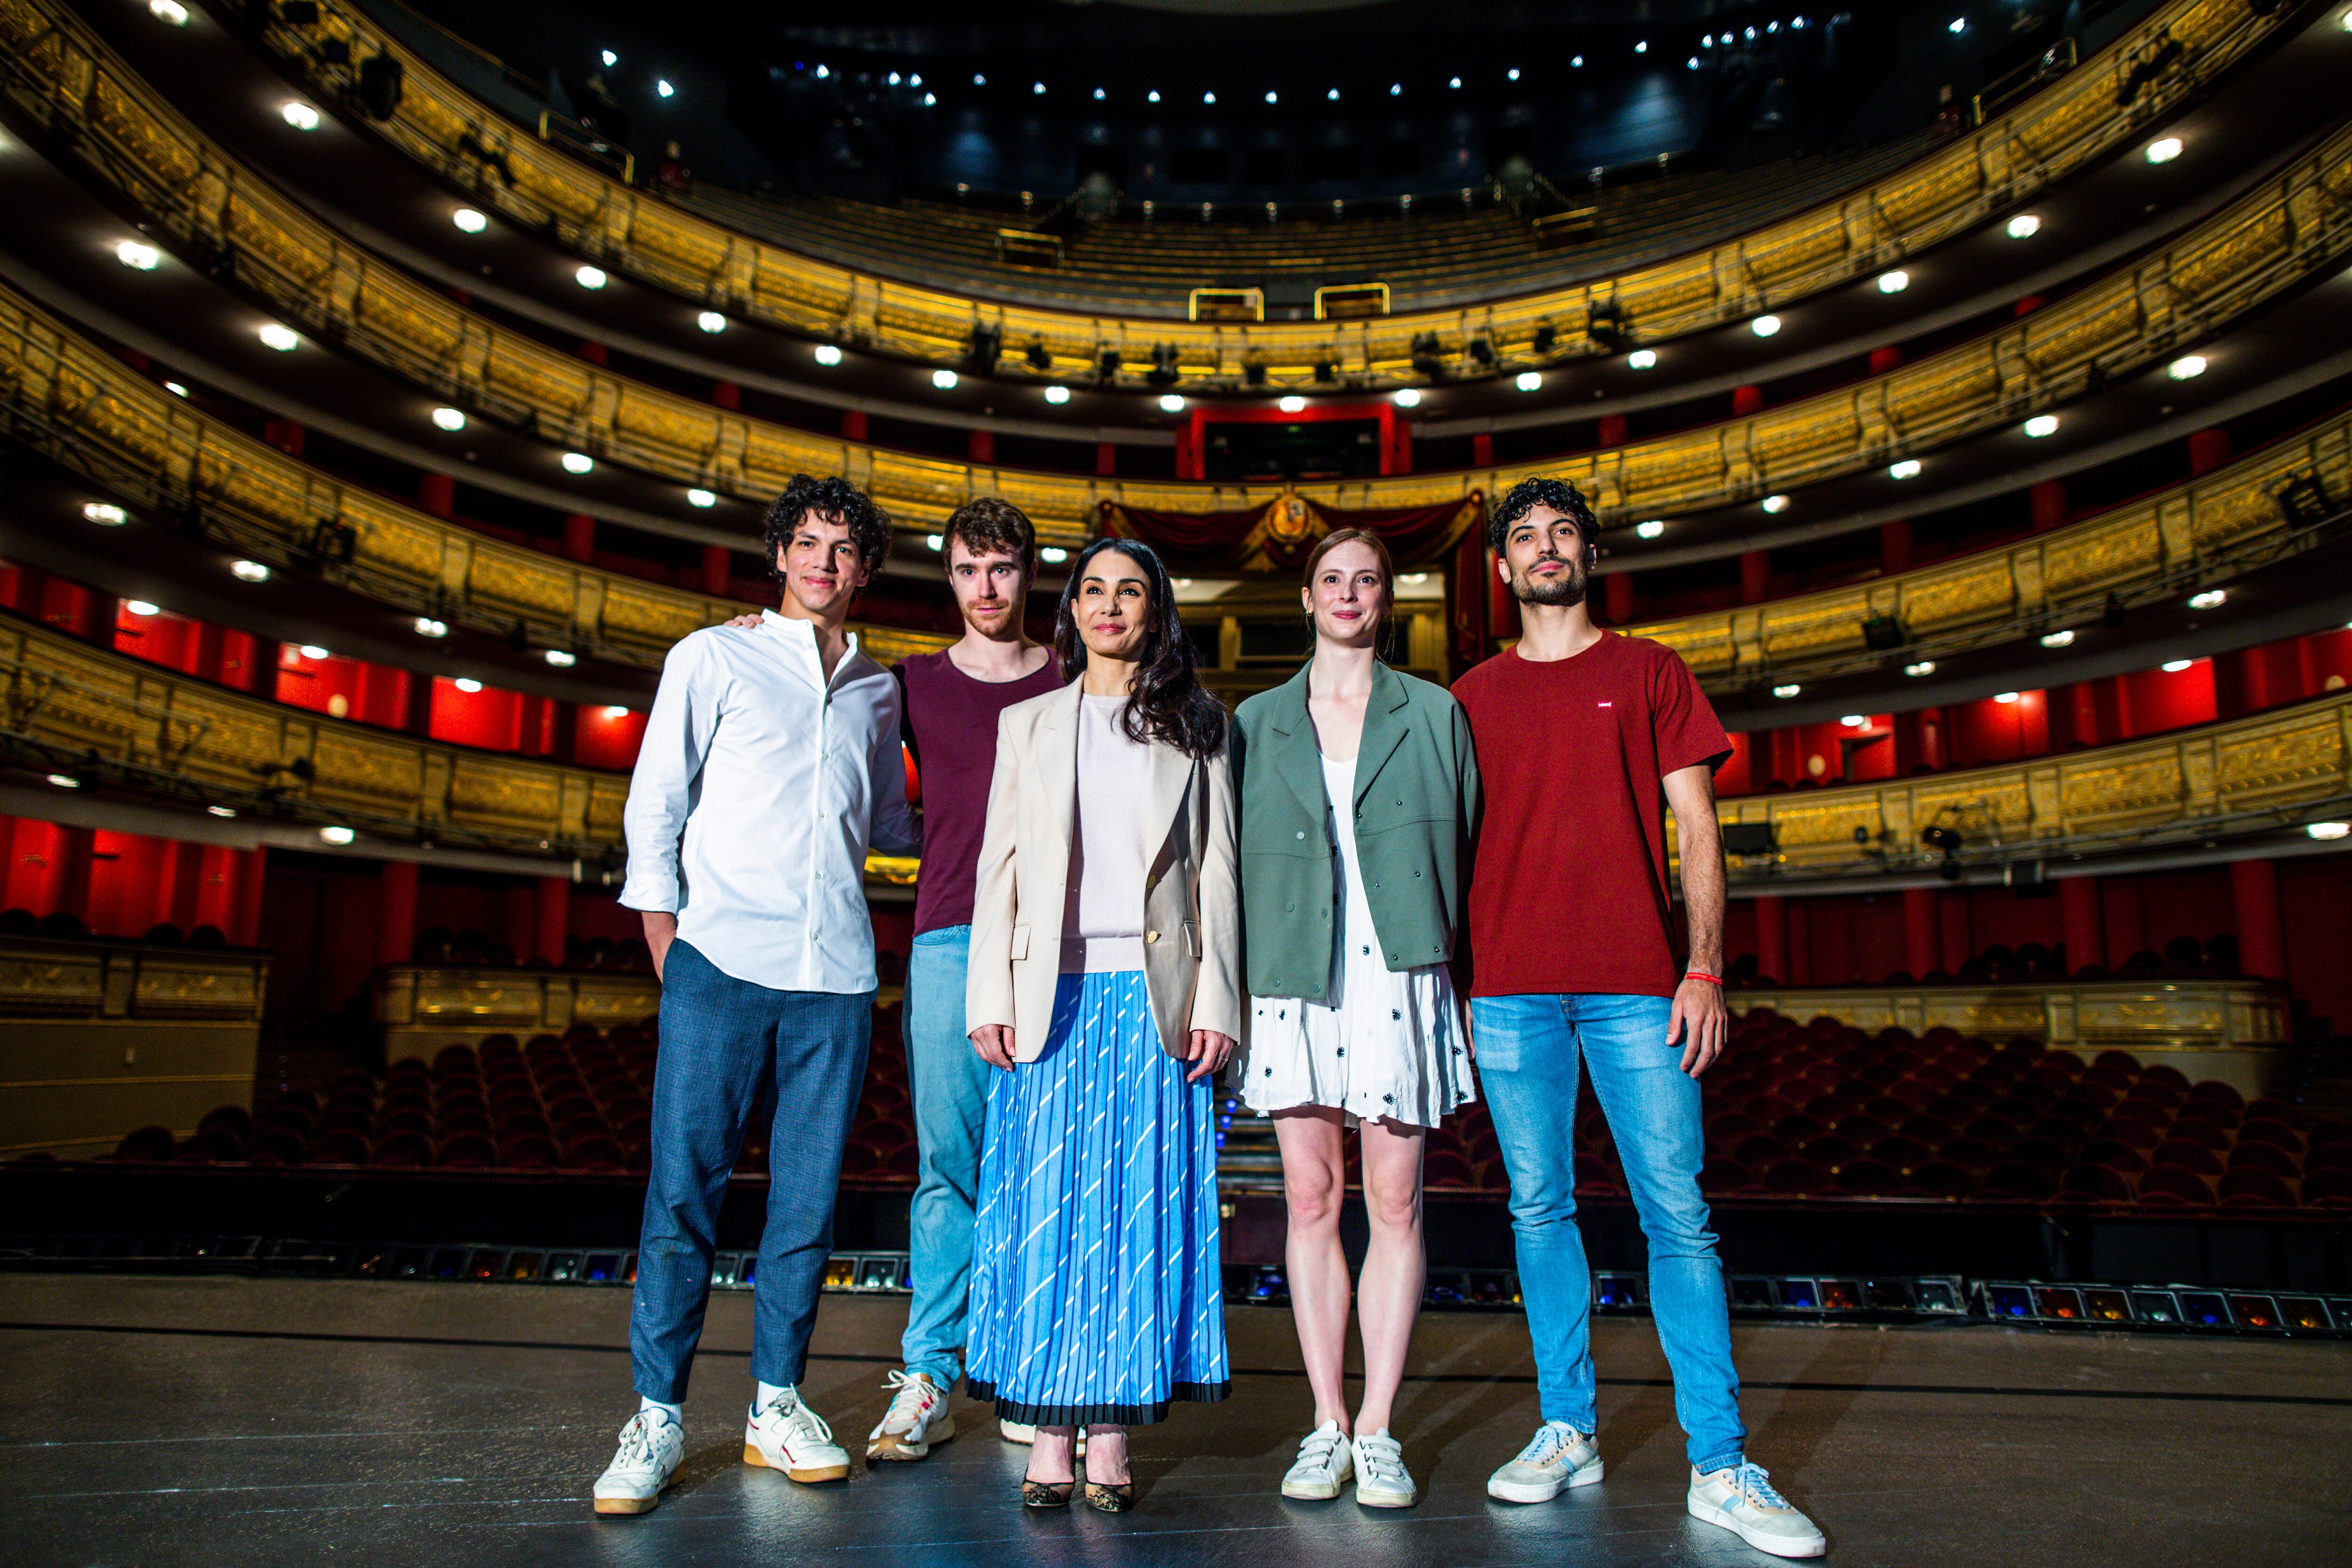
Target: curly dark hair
[[1169, 704], [833, 496], [989, 525], [1528, 494]]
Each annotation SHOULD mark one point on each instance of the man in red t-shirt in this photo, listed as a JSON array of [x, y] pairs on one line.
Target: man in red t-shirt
[[1585, 738]]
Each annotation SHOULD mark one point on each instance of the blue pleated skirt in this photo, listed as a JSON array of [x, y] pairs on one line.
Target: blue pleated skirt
[[1096, 1291]]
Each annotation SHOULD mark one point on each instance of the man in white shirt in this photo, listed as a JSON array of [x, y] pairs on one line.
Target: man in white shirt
[[771, 762]]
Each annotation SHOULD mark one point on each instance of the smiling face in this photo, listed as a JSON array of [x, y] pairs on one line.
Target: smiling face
[[1112, 607], [1349, 595], [1545, 558], [822, 569], [989, 588]]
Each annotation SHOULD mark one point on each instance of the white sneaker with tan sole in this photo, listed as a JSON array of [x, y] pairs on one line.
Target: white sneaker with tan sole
[[788, 1436], [1381, 1479], [1740, 1499], [651, 1448], [917, 1420], [1324, 1465], [1558, 1456]]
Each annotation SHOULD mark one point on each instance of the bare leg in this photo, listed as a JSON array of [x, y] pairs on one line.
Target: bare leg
[[1053, 1457], [1107, 1456], [1389, 1297], [1314, 1180]]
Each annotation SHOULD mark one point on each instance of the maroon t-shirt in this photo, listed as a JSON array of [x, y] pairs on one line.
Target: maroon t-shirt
[[1568, 891], [950, 727]]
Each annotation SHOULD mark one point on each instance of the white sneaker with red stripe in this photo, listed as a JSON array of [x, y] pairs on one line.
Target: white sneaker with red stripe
[[788, 1436], [646, 1462]]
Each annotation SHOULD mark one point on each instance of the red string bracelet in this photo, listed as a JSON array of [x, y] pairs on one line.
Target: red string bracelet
[[1714, 980]]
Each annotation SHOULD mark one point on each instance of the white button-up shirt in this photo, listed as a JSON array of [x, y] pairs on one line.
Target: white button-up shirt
[[757, 791]]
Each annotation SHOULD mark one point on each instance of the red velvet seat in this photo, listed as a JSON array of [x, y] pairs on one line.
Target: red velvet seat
[[2328, 1188], [528, 1152], [145, 1146], [2258, 1156], [465, 1151], [2203, 1133], [1971, 1154], [594, 1151], [2102, 1184], [2276, 1133], [2174, 1182], [1869, 1178], [2116, 1155], [1829, 1151], [1902, 1154], [2016, 1179], [2248, 1186], [340, 1146], [2182, 1155], [1941, 1179], [2133, 1132], [1795, 1178]]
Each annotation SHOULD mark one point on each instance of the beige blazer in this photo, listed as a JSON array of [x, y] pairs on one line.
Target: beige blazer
[[1191, 901]]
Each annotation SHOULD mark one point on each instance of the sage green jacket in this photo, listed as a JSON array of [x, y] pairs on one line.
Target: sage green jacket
[[1416, 810]]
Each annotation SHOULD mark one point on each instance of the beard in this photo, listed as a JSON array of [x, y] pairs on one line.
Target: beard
[[1568, 588]]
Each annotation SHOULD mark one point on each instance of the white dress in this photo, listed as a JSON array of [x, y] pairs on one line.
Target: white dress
[[1384, 1042]]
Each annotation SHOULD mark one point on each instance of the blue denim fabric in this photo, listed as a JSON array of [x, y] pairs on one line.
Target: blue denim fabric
[[724, 1042], [951, 1089], [1529, 1048]]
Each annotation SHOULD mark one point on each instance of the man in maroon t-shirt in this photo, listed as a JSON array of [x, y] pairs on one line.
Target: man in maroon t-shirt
[[1585, 738], [954, 698]]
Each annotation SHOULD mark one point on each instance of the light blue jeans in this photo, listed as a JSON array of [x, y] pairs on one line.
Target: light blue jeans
[[950, 1083], [1529, 1048]]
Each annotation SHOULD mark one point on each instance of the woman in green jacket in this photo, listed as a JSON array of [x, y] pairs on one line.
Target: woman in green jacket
[[1359, 794]]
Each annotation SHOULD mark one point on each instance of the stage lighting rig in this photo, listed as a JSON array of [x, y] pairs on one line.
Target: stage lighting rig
[[1164, 357], [1428, 356]]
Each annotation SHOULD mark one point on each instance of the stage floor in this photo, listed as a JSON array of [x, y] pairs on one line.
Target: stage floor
[[233, 1420]]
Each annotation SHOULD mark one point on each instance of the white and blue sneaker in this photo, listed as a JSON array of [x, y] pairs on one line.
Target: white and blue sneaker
[[1558, 1456], [646, 1462], [1740, 1499]]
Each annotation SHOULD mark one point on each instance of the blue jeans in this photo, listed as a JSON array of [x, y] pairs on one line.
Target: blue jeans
[[1527, 1052], [950, 1083], [724, 1042]]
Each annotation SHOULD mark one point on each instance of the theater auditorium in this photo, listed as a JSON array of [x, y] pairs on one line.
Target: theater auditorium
[[1960, 390]]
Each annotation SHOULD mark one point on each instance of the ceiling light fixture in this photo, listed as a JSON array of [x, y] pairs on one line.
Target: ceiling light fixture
[[610, 58], [2062, 637], [1894, 282], [468, 221], [1650, 529], [1765, 326], [300, 116], [2004, 697], [466, 684], [427, 627], [280, 338], [141, 608], [1058, 394], [2024, 226], [337, 835], [65, 781], [105, 514], [590, 276], [1857, 720], [1908, 468], [1643, 359], [1925, 667], [561, 658], [702, 498], [1528, 380], [2328, 831], [221, 810], [248, 571], [175, 389], [1172, 404], [945, 380], [2210, 599], [1407, 397], [2174, 665], [450, 419], [935, 541], [825, 355], [1776, 504], [314, 653], [2164, 150], [1291, 404], [578, 463], [170, 11], [2042, 425], [1785, 693], [711, 322], [1053, 555], [616, 711], [138, 255], [2188, 367]]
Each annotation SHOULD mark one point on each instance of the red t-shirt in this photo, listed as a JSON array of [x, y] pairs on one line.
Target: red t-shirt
[[951, 726], [1568, 891]]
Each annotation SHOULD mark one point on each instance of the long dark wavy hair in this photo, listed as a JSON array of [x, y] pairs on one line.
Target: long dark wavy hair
[[1169, 703]]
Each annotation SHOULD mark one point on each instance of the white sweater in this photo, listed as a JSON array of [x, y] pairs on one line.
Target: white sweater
[[1102, 915]]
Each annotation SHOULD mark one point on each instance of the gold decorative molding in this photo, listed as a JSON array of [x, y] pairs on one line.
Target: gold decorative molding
[[192, 190], [2066, 125], [423, 1008]]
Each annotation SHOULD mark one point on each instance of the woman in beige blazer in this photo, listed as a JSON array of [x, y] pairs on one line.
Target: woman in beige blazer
[[1106, 945]]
